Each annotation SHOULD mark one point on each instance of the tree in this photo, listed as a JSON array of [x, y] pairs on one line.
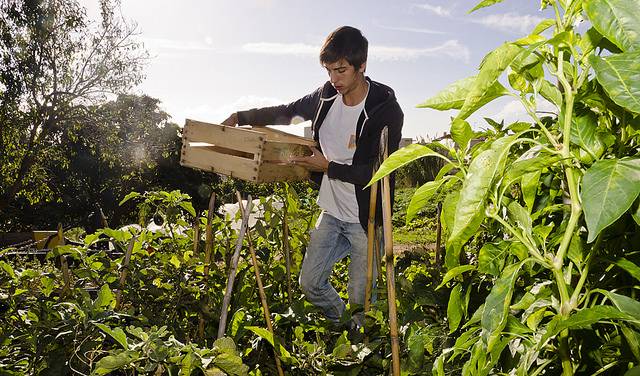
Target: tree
[[54, 65]]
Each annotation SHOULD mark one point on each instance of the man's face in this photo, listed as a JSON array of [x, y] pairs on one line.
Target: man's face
[[343, 76]]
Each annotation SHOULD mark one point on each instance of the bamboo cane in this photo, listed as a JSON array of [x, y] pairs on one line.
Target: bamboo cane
[[389, 262], [124, 271], [263, 296], [232, 272], [208, 245], [63, 263], [438, 234], [196, 236], [371, 236], [287, 251]]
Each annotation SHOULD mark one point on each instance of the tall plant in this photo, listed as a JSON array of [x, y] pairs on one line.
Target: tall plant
[[544, 225]]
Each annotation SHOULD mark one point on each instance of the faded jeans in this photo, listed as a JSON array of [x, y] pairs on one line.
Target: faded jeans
[[331, 241]]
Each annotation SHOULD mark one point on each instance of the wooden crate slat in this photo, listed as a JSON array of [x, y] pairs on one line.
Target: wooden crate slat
[[270, 172], [228, 137], [280, 136], [283, 151], [204, 159]]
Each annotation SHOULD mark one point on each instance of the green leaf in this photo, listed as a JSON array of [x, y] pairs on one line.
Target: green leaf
[[421, 197], [490, 70], [491, 258], [403, 157], [519, 216], [582, 319], [633, 339], [543, 25], [496, 306], [589, 41], [471, 205], [231, 364], [461, 133], [635, 371], [8, 269], [114, 362], [529, 187], [129, 197], [225, 345], [265, 334], [117, 333], [453, 96], [451, 274], [609, 188], [105, 298], [449, 210], [454, 308], [617, 20], [583, 134], [485, 3], [618, 75], [186, 205], [551, 93], [624, 303], [629, 267]]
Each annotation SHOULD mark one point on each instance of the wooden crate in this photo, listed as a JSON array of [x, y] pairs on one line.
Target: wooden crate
[[257, 154]]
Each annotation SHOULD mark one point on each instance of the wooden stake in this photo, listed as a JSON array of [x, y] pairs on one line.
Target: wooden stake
[[263, 296], [234, 269], [371, 236], [438, 234], [124, 271], [389, 262], [63, 263], [196, 236], [287, 252], [208, 246]]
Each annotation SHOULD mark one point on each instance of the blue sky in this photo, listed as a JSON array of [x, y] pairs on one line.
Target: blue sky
[[210, 58]]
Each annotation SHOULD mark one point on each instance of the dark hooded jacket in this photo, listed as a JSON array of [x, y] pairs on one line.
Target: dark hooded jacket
[[381, 109]]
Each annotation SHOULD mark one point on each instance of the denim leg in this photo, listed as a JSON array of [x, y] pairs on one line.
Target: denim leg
[[358, 266], [327, 245]]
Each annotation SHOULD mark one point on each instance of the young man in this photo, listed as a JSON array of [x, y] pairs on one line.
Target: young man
[[348, 114]]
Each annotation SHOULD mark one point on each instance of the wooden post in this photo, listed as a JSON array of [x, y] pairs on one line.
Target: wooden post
[[438, 234], [233, 270], [208, 245], [287, 252], [389, 261], [263, 296], [63, 263], [371, 238], [124, 271], [196, 236]]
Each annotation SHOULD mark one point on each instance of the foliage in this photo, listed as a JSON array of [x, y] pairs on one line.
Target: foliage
[[542, 232]]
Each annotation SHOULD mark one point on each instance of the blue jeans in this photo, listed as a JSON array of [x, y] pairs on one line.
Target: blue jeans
[[331, 241]]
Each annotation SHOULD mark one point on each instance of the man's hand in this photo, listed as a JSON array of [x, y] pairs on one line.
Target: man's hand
[[232, 120], [315, 162]]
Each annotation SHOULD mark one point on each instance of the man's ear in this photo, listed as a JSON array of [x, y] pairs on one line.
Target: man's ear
[[363, 67]]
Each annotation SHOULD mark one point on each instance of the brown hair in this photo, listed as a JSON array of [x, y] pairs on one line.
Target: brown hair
[[347, 43]]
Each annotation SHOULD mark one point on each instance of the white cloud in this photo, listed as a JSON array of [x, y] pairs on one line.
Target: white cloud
[[438, 10], [411, 29], [510, 22], [450, 48], [211, 114], [163, 44]]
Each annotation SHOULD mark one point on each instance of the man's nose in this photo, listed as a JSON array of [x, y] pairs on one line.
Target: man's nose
[[333, 77]]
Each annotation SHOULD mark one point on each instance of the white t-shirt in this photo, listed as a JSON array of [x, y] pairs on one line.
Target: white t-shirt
[[338, 143]]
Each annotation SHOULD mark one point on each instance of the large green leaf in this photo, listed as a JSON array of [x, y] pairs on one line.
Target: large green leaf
[[583, 134], [618, 75], [609, 188], [403, 157], [484, 4], [490, 70], [116, 333], [624, 303], [629, 267], [471, 204], [551, 93], [421, 197], [451, 274], [461, 133], [529, 187], [582, 319], [111, 363], [491, 258], [454, 308], [496, 306], [617, 20], [454, 95]]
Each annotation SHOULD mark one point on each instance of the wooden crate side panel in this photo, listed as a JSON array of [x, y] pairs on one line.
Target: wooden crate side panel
[[204, 159], [280, 136], [228, 137], [282, 152], [270, 172]]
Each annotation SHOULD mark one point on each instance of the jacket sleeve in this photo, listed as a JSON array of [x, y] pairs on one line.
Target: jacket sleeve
[[360, 174], [283, 114]]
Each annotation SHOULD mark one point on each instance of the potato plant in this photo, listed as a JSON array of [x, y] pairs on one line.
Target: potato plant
[[542, 248]]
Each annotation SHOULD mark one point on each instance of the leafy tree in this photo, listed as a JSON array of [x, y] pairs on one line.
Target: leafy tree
[[54, 65]]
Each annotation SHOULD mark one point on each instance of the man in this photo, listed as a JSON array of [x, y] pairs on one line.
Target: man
[[348, 114]]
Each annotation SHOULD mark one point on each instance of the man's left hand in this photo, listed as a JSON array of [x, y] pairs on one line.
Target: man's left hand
[[314, 162]]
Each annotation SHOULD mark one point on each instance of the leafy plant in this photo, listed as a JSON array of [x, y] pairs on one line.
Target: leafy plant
[[542, 252]]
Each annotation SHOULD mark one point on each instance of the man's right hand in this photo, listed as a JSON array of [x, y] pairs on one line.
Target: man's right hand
[[232, 120]]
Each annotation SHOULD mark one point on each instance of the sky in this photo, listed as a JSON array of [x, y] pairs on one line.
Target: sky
[[210, 58]]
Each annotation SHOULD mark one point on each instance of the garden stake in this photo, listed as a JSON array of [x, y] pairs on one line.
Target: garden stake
[[123, 273], [263, 296], [438, 234], [287, 253], [196, 236], [234, 268], [371, 235], [389, 263], [208, 245], [63, 262]]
